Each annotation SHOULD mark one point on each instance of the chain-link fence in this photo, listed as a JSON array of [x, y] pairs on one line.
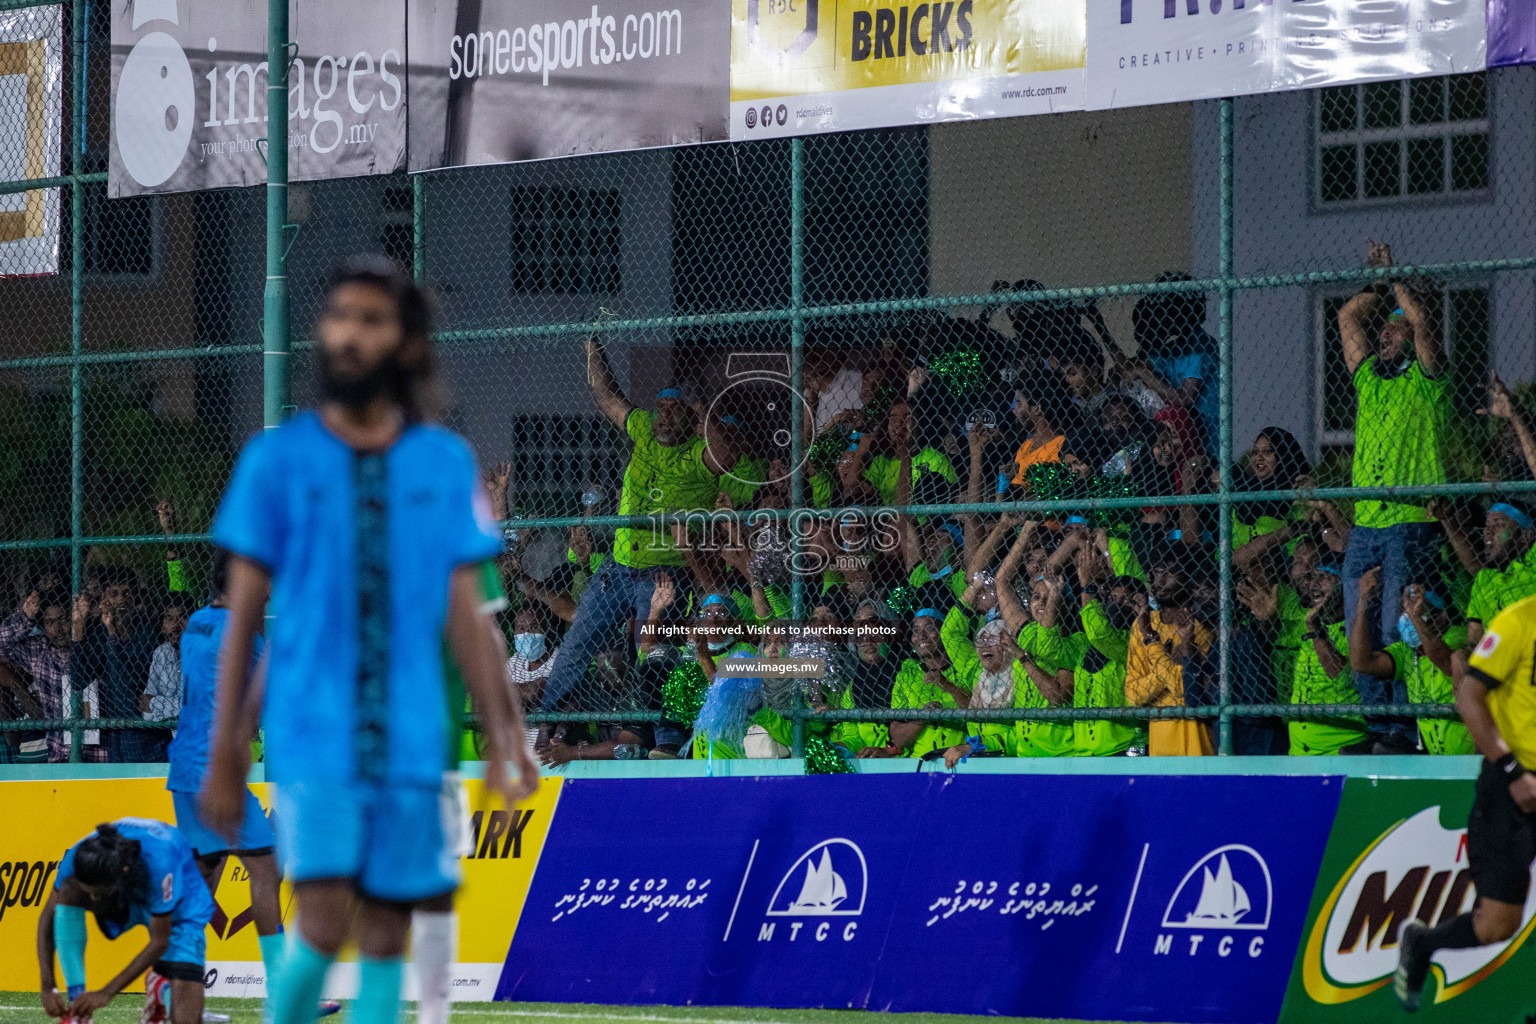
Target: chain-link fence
[[1160, 430]]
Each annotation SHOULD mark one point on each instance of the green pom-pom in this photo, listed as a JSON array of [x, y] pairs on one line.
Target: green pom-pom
[[961, 372], [822, 758], [1111, 487], [1051, 481], [879, 406], [899, 600], [682, 695], [828, 447]]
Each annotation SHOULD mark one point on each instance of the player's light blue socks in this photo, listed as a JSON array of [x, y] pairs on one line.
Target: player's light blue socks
[[271, 952], [295, 987], [378, 991], [69, 940]]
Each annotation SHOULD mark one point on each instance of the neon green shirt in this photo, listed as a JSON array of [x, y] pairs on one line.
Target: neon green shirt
[[1314, 686], [1428, 685], [921, 574], [659, 479], [1398, 439], [884, 470], [911, 691], [1103, 687], [778, 602], [466, 743], [742, 482], [1496, 589], [1289, 638], [1122, 558]]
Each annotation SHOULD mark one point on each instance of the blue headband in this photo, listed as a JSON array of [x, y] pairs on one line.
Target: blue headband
[[713, 599], [1332, 570], [1505, 509], [1434, 599], [955, 532], [1071, 520], [672, 393], [1396, 314], [734, 421], [932, 613]]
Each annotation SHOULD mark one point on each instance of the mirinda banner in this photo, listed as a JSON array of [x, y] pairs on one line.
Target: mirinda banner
[[497, 873], [804, 66]]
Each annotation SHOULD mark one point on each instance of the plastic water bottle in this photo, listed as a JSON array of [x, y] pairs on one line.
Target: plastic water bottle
[[630, 752]]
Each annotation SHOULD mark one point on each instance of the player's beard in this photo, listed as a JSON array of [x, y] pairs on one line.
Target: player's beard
[[358, 390]]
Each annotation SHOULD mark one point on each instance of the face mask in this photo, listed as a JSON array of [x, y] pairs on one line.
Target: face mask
[[1407, 632], [941, 573], [992, 613], [529, 646]]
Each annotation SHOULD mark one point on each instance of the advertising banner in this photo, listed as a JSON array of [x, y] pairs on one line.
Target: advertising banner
[[496, 81], [1399, 851], [189, 93], [1166, 51], [505, 847], [805, 66], [1050, 896], [1511, 32], [31, 90]]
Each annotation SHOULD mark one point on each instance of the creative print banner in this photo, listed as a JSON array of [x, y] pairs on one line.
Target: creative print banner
[[498, 81], [805, 66], [1166, 51], [505, 848], [1511, 32], [189, 93]]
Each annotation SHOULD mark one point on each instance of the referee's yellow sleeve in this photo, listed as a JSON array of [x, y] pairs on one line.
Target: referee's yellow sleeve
[[1496, 659]]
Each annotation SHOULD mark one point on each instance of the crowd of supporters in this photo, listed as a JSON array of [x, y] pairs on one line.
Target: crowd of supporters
[[1104, 606]]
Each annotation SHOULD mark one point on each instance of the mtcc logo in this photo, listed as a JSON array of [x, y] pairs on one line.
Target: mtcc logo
[[1229, 890], [155, 99], [793, 27], [830, 880]]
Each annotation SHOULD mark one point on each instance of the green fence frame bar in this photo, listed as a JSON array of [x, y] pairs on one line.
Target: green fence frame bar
[[76, 326], [1224, 448], [274, 304]]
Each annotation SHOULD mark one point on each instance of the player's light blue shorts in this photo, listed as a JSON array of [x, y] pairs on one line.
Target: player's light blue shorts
[[397, 843], [255, 830]]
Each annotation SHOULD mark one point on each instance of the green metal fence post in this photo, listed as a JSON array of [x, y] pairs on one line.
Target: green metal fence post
[[419, 227], [274, 306], [1224, 447], [796, 378], [76, 295], [76, 331]]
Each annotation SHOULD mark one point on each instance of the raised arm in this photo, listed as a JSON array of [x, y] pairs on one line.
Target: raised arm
[[1466, 548], [1502, 405], [1435, 647], [605, 391], [1426, 336], [1353, 317], [1014, 616]]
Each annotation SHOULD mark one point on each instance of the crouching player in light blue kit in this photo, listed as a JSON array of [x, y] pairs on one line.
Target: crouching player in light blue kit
[[366, 522], [135, 871]]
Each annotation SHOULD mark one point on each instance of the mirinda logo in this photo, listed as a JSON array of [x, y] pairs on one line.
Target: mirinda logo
[[1416, 869]]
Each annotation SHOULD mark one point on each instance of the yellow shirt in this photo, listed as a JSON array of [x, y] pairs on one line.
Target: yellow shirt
[[1154, 679], [1505, 662]]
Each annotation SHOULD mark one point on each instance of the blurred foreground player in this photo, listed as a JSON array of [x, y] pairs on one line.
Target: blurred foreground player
[[135, 871], [365, 522], [1496, 696]]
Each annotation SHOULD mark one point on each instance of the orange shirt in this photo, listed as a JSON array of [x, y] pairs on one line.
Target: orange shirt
[[1030, 453]]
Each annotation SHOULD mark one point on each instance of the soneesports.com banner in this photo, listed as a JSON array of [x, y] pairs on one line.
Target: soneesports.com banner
[[189, 93], [45, 818], [1165, 51], [1130, 898], [1399, 852], [804, 66], [497, 81]]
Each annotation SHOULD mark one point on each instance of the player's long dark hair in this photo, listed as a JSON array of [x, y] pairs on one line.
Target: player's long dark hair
[[416, 383], [109, 858]]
